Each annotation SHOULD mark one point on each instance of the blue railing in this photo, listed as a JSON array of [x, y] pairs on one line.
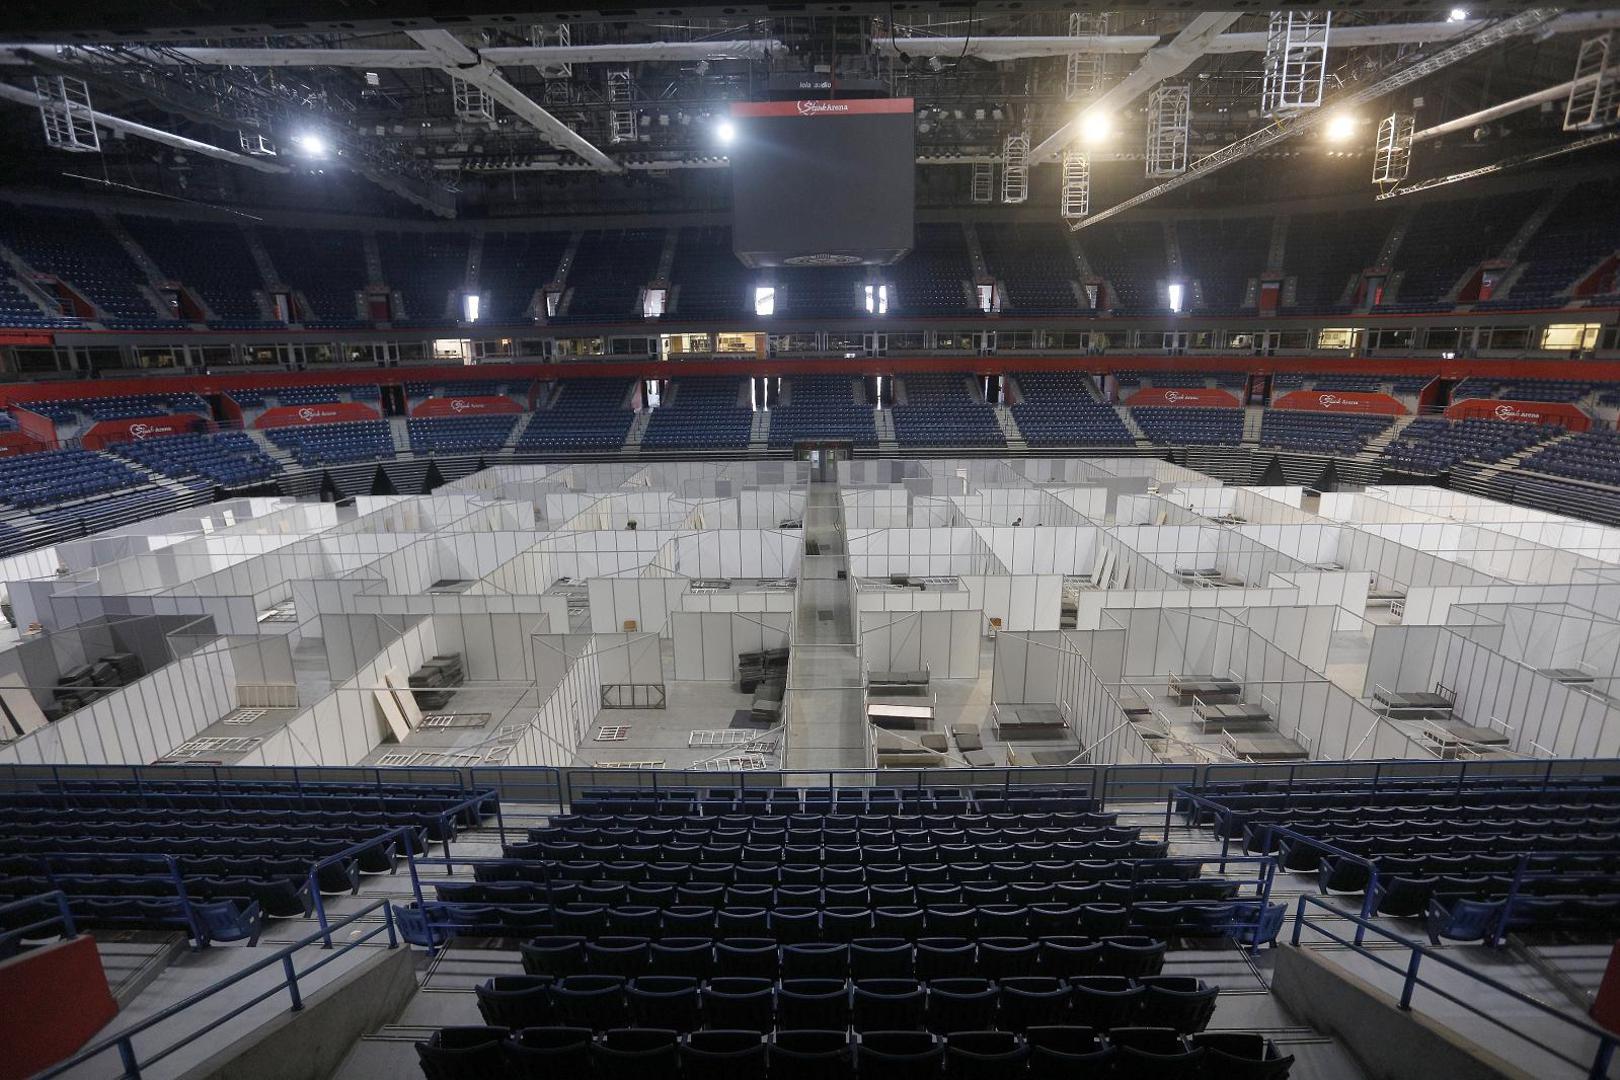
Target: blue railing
[[123, 1043], [1409, 967], [60, 916]]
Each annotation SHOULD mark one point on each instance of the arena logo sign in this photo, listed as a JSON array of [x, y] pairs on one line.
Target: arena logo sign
[[141, 431], [818, 108]]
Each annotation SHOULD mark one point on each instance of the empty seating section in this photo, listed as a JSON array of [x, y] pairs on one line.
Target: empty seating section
[[1527, 389], [933, 279], [609, 272], [459, 434], [322, 395], [516, 389], [122, 407], [215, 859], [1447, 239], [1235, 381], [1178, 425], [1433, 444], [326, 266], [514, 266], [1132, 257], [586, 414], [428, 271], [229, 458], [881, 931], [212, 260], [1591, 455], [822, 407], [1474, 858], [1326, 252], [333, 444], [1223, 255], [943, 410], [75, 247], [701, 413], [58, 476], [1580, 232], [708, 280], [1034, 265], [1355, 384], [822, 292], [1058, 409], [1320, 433], [17, 309]]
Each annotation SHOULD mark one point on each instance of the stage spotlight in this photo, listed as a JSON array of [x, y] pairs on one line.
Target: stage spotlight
[[312, 144], [1341, 128], [725, 131], [1457, 14], [1096, 127]]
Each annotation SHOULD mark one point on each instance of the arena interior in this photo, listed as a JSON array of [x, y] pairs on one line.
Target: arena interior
[[904, 541]]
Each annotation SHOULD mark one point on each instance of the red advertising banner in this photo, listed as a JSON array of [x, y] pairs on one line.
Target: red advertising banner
[[104, 433], [42, 429], [467, 406], [1204, 397], [331, 412], [820, 107], [15, 442], [1561, 413], [1340, 401]]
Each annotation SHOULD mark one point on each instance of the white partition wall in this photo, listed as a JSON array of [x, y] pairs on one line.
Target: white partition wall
[[707, 643], [946, 643]]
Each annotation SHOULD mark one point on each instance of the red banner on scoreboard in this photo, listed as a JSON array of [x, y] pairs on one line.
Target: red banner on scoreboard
[[331, 412], [1561, 413], [1340, 402], [822, 107], [467, 406], [106, 432], [1201, 396]]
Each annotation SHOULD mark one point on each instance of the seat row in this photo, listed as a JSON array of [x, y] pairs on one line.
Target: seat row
[[1040, 1053], [892, 880], [1033, 819], [685, 1004], [368, 822], [279, 897]]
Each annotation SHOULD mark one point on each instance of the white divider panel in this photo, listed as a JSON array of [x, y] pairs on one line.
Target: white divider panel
[[1021, 602], [944, 642], [707, 643], [629, 658], [565, 714], [645, 601]]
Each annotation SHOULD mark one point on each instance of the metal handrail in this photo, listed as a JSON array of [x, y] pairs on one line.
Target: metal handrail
[[64, 915], [1418, 953], [124, 1041]]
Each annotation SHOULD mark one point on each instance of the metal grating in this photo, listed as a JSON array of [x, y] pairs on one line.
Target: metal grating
[[738, 763], [455, 720], [721, 737], [1075, 197], [629, 765], [395, 760], [1296, 61], [613, 733], [1169, 126], [215, 744], [1392, 156], [1015, 169], [242, 716]]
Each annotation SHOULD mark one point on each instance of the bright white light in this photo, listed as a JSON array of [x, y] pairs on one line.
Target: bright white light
[[1341, 128], [1457, 14], [1096, 127], [764, 300], [469, 306], [312, 144], [725, 131], [1177, 293]]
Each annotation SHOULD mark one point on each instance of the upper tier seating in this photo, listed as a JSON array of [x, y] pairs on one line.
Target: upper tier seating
[[304, 394], [1058, 409], [700, 413], [124, 407], [1590, 455], [1177, 425], [459, 434], [1355, 384], [1434, 444], [1131, 255], [1525, 389], [708, 279], [609, 272], [1327, 251], [933, 279], [515, 266], [229, 458], [822, 406], [1223, 255], [1320, 433], [212, 259], [1581, 231], [78, 249], [820, 292], [587, 414], [516, 389], [1034, 265], [334, 444], [243, 850], [16, 309], [941, 410], [1192, 380], [429, 271], [58, 476], [1446, 239], [328, 266]]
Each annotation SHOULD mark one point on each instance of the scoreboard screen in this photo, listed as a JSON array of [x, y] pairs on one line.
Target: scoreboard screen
[[823, 182]]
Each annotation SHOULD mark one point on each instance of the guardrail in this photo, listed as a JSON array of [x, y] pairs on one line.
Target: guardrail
[[1417, 954], [62, 916], [123, 1043]]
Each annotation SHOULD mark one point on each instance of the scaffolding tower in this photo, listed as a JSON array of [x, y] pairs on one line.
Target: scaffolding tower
[[984, 182], [1169, 129], [473, 104], [1015, 168], [64, 109], [541, 35], [1392, 157], [1594, 99], [1075, 199], [1083, 75], [621, 91], [1296, 61]]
